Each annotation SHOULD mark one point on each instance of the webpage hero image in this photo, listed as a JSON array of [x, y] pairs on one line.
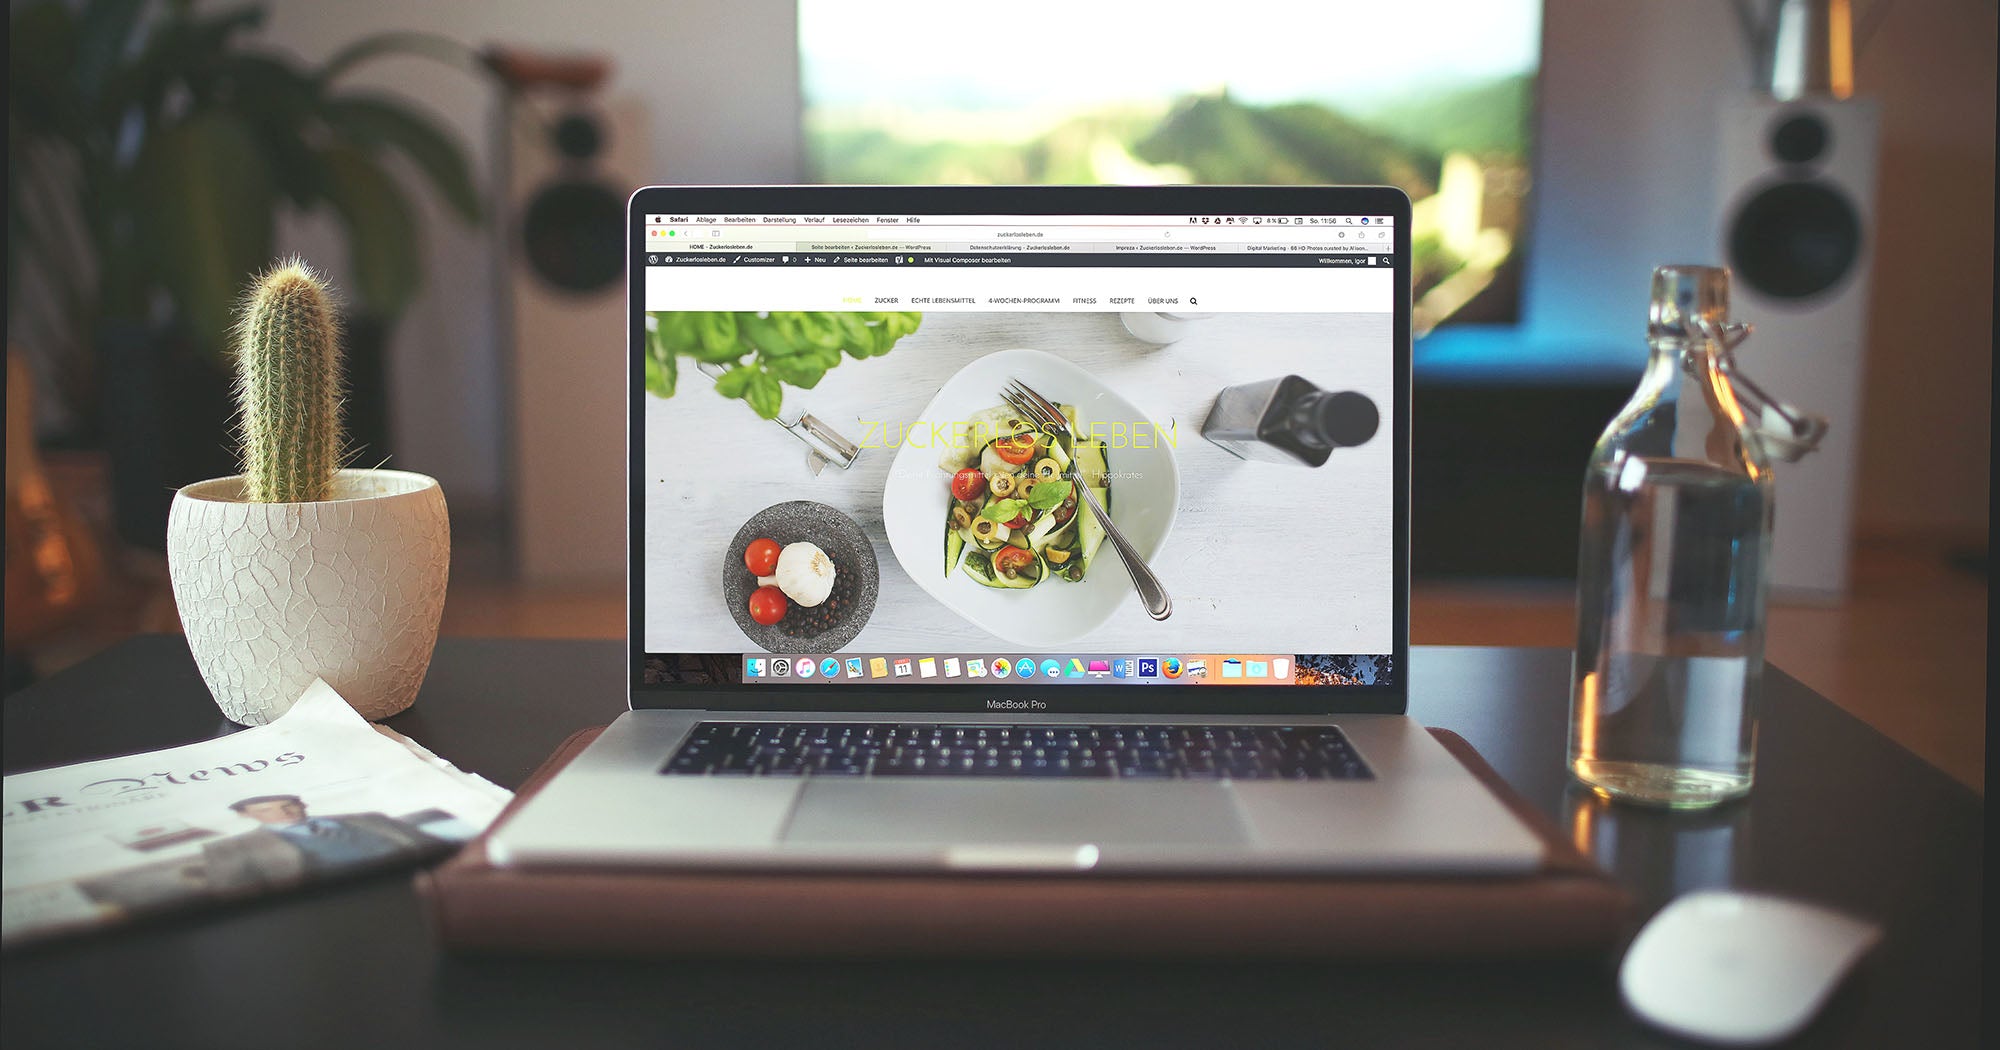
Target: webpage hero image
[[907, 450]]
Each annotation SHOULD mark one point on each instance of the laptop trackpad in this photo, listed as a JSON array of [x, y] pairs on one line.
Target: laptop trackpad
[[952, 812]]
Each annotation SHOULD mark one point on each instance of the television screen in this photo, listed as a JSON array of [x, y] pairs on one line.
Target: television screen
[[1433, 96]]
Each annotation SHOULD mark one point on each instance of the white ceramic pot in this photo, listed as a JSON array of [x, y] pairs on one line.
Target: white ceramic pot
[[273, 595]]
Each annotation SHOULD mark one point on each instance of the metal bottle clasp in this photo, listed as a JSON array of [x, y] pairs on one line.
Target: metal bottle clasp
[[1787, 431]]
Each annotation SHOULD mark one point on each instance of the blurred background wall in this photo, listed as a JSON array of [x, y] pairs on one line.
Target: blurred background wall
[[1624, 180], [721, 82], [1629, 93]]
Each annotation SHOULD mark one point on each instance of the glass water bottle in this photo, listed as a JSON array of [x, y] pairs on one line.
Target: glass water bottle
[[1671, 575]]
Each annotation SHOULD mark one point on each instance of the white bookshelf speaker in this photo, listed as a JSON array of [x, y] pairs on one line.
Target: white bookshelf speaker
[[1797, 218], [573, 159]]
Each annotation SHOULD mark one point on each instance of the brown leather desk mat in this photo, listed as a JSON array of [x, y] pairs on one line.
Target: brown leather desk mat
[[1569, 907]]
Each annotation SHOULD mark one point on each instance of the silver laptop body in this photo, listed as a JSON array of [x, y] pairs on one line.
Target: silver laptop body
[[1411, 807]]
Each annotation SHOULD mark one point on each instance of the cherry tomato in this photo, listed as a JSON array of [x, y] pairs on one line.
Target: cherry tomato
[[762, 557], [966, 484], [1009, 561], [1018, 449], [1019, 521], [768, 605]]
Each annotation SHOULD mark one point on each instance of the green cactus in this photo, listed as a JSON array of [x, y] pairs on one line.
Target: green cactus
[[288, 379]]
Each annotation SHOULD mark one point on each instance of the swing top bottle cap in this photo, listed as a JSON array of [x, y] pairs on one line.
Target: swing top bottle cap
[[1685, 293]]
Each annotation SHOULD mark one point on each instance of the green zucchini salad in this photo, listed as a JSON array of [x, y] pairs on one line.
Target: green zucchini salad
[[1014, 518]]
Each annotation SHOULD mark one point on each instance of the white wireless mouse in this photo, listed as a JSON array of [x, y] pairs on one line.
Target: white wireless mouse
[[1739, 969]]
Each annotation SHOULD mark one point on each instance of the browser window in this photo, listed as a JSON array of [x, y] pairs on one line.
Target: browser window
[[887, 450]]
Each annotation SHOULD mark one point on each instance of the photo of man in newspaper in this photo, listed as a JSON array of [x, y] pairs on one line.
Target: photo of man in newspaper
[[292, 845]]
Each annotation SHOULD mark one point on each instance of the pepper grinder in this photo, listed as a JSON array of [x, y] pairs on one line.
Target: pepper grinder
[[1289, 420]]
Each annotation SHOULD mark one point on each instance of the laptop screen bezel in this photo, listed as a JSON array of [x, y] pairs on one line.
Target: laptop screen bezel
[[1066, 699]]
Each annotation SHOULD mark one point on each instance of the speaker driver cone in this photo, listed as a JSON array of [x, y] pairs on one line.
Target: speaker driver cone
[[574, 236], [1795, 240]]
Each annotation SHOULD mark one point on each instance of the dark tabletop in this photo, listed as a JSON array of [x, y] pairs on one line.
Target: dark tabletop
[[1840, 815]]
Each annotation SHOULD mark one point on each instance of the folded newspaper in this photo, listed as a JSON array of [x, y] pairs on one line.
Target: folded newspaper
[[316, 795]]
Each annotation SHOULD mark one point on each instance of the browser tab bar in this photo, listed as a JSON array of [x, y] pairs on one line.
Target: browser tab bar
[[1211, 234]]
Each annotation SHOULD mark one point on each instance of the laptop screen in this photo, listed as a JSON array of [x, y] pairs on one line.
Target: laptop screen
[[1010, 461]]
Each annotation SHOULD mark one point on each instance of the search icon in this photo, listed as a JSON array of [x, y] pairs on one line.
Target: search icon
[[1192, 301]]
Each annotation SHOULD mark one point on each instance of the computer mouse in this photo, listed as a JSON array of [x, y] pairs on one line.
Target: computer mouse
[[1740, 969]]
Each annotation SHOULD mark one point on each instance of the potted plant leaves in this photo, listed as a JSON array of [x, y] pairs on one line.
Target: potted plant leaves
[[297, 568], [754, 356], [152, 150]]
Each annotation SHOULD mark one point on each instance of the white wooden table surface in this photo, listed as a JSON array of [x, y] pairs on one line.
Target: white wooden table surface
[[1262, 558]]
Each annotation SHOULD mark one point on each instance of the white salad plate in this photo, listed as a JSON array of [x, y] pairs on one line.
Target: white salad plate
[[1145, 496]]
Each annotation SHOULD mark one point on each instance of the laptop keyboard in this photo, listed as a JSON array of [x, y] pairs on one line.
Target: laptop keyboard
[[1187, 752]]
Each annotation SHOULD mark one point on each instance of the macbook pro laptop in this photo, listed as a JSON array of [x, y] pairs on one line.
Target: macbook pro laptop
[[888, 450]]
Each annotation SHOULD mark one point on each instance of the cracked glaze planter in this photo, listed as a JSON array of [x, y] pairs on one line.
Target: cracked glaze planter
[[273, 595]]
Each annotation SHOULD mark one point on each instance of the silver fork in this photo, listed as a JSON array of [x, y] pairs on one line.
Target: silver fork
[[1050, 419]]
